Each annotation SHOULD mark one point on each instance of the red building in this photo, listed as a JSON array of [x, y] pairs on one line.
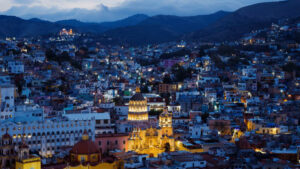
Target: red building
[[107, 142]]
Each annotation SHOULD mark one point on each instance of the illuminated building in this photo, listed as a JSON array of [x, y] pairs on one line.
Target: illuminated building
[[20, 157], [48, 136], [148, 139], [66, 32], [138, 110], [86, 154]]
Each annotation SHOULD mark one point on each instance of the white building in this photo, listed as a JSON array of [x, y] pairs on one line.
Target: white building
[[103, 123], [198, 130], [4, 79], [48, 137], [7, 104], [15, 67]]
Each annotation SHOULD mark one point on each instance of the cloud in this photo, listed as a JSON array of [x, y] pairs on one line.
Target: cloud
[[107, 10]]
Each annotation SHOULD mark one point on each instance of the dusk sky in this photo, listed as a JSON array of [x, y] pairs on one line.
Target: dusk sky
[[108, 10]]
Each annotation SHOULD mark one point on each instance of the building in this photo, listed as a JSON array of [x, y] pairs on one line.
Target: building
[[25, 160], [147, 138], [85, 151], [103, 120], [108, 142], [7, 153], [86, 154], [138, 109], [15, 67], [48, 137], [169, 88], [7, 102]]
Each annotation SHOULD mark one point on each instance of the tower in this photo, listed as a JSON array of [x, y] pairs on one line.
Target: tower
[[138, 110], [7, 152], [25, 160], [165, 123], [23, 152]]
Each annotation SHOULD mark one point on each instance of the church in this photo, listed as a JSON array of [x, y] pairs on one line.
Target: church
[[148, 137]]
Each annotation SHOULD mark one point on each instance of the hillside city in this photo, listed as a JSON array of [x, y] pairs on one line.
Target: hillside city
[[70, 102]]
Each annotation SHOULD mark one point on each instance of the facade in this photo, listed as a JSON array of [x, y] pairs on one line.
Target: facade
[[7, 153], [18, 156], [48, 137], [85, 151], [153, 140], [86, 155], [107, 142], [25, 160], [168, 88], [15, 67], [103, 123], [7, 104]]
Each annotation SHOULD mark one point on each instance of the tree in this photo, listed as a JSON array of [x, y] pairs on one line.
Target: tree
[[167, 79], [155, 112], [201, 52], [144, 89], [204, 117], [179, 73], [118, 101], [50, 54]]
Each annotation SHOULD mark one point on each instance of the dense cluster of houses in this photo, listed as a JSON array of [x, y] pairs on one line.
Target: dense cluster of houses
[[234, 104]]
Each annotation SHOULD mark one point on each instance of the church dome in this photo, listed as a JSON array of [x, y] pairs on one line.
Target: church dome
[[137, 108], [6, 136], [138, 95], [85, 146]]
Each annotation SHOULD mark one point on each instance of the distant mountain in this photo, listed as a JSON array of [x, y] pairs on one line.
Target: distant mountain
[[246, 19], [14, 26], [130, 21], [163, 28], [141, 29]]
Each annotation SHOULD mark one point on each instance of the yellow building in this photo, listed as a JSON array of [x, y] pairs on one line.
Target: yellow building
[[85, 151], [138, 110], [86, 155], [25, 160], [30, 163], [105, 165], [153, 140], [268, 130]]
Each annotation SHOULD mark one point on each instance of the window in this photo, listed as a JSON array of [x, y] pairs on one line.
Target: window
[[99, 143], [82, 159], [107, 142], [116, 142]]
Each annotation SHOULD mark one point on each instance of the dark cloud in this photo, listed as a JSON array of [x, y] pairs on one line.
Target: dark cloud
[[127, 8]]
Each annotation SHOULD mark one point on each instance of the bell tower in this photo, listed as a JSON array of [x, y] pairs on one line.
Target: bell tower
[[165, 122], [7, 151]]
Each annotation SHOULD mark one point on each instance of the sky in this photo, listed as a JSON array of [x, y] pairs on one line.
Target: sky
[[110, 10]]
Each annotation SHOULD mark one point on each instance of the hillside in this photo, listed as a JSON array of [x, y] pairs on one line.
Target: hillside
[[246, 19]]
